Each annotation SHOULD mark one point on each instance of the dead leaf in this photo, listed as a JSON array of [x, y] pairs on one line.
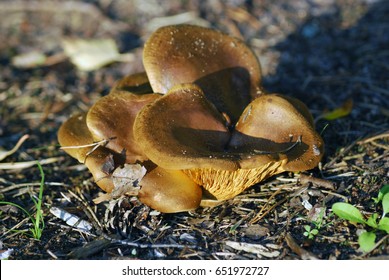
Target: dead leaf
[[125, 181], [128, 176], [70, 219], [255, 231], [93, 54], [340, 112], [29, 60]]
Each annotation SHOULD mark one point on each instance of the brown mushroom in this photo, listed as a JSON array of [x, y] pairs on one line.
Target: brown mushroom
[[111, 118], [223, 66], [76, 140], [169, 191], [136, 83], [183, 131]]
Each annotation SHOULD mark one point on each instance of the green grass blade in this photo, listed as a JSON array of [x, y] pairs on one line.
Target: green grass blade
[[39, 223]]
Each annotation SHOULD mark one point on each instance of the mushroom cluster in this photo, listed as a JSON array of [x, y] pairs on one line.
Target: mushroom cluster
[[197, 119]]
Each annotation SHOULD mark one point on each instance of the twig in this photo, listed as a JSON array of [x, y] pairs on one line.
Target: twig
[[28, 164], [342, 153], [373, 138], [88, 211], [4, 154], [52, 254], [262, 214], [17, 186], [3, 237], [94, 145], [148, 246], [304, 179], [336, 194]]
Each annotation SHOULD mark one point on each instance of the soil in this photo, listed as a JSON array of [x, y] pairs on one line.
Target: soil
[[327, 53]]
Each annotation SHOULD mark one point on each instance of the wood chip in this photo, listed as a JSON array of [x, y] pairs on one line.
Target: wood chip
[[258, 249]]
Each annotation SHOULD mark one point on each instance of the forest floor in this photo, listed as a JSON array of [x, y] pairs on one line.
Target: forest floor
[[331, 54]]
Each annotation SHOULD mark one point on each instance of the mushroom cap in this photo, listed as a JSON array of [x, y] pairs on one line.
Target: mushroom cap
[[273, 123], [169, 191], [112, 117], [137, 83], [223, 66], [73, 133], [182, 130]]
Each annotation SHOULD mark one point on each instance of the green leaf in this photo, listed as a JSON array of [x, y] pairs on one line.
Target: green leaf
[[348, 212], [372, 221], [385, 204], [384, 224], [367, 241], [384, 190]]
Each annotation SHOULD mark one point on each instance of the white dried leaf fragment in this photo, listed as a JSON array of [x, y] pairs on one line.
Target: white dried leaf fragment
[[307, 205], [5, 254], [70, 219], [128, 176], [29, 60]]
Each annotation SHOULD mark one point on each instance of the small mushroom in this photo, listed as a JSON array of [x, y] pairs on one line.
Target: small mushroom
[[77, 141], [184, 131], [111, 118], [136, 83], [169, 191]]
